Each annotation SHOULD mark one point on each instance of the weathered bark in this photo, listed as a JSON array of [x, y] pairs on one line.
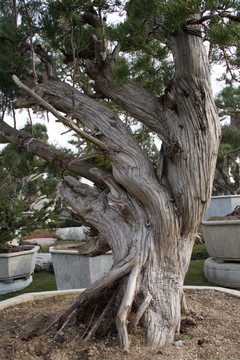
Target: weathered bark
[[147, 216]]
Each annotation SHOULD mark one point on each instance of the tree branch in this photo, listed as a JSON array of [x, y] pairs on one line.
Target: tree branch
[[137, 101], [47, 152], [63, 119]]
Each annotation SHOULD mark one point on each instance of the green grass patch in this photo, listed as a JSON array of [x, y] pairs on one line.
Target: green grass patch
[[199, 252], [195, 275]]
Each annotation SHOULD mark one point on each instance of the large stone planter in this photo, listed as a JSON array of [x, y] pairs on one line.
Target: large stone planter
[[74, 271], [16, 269], [222, 205], [222, 239]]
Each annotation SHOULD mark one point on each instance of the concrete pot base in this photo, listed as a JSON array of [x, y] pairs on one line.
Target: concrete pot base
[[225, 274], [15, 285]]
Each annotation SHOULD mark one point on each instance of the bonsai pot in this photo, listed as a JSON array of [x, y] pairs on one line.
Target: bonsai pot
[[16, 268], [222, 239], [222, 205], [75, 271]]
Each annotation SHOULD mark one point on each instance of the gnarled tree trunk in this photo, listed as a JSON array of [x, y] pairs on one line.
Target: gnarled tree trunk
[[148, 217]]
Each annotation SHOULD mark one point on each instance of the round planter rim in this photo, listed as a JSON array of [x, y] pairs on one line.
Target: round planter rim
[[27, 297], [220, 222]]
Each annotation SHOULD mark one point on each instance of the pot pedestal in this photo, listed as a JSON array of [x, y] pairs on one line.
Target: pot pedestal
[[222, 240], [14, 285], [226, 274]]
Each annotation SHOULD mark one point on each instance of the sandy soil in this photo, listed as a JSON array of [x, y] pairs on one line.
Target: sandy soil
[[210, 330]]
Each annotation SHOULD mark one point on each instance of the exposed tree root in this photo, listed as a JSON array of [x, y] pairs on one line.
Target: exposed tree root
[[90, 322], [100, 319], [183, 304], [65, 324], [120, 270], [140, 312], [121, 320]]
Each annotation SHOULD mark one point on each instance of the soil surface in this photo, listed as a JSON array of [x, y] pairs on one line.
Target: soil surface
[[210, 330], [224, 218], [11, 249]]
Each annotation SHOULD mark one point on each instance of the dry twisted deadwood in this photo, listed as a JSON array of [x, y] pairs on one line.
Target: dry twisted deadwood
[[126, 305], [117, 272], [63, 119]]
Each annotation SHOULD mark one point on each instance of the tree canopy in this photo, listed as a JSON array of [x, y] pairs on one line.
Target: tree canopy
[[67, 30]]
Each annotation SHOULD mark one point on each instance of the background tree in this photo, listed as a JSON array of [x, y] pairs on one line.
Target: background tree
[[24, 178], [71, 62], [227, 176], [228, 103]]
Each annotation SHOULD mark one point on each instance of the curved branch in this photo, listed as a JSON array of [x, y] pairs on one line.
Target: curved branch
[[48, 153], [125, 307], [98, 247], [140, 312], [137, 101], [63, 119], [126, 156]]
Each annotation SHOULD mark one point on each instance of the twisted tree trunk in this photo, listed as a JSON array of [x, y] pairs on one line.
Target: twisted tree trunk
[[148, 217]]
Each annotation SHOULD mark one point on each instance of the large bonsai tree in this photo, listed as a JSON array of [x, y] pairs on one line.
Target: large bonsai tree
[[96, 78]]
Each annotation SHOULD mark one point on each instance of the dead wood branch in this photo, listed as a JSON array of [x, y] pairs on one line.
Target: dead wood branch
[[101, 318], [140, 312], [120, 270], [125, 307], [63, 119]]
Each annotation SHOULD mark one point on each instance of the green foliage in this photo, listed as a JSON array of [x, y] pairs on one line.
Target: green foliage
[[14, 59], [227, 177], [195, 275], [23, 177], [199, 252], [121, 71], [147, 142], [230, 136], [228, 101]]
